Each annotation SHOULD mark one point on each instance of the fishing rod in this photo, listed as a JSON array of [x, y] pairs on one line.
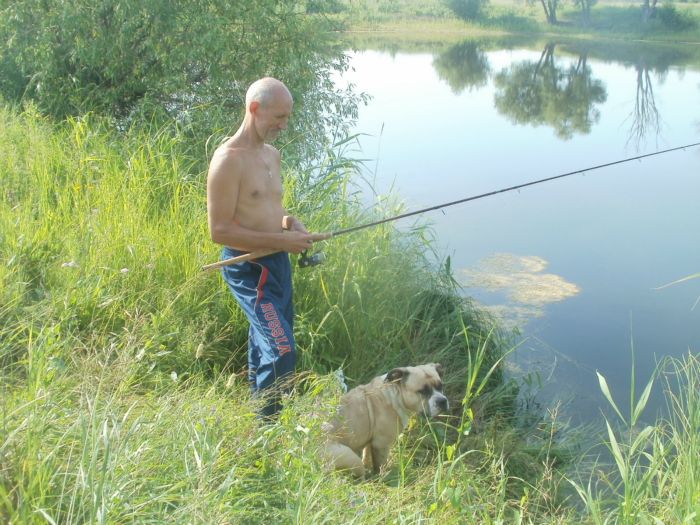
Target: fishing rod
[[309, 261]]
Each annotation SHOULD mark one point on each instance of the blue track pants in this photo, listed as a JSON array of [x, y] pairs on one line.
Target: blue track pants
[[263, 288]]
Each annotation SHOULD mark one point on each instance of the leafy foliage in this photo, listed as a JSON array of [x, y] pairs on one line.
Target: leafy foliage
[[585, 7], [467, 9], [676, 19], [190, 60], [550, 9]]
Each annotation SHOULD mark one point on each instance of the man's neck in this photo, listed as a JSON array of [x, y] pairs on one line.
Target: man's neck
[[248, 137]]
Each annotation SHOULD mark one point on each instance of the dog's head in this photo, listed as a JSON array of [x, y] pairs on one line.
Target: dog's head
[[420, 388]]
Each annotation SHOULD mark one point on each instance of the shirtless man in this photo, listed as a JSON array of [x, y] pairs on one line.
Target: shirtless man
[[244, 202]]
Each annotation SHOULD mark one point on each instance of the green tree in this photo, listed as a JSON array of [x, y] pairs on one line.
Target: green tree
[[544, 93], [467, 9], [648, 10], [324, 6], [550, 9], [585, 6], [187, 59]]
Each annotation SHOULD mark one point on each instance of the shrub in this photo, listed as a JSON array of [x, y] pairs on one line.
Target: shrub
[[467, 9], [675, 19]]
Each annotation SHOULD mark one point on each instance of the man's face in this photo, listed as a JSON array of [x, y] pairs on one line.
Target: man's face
[[272, 118]]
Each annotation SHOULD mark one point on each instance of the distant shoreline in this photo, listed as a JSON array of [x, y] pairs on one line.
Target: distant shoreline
[[521, 22]]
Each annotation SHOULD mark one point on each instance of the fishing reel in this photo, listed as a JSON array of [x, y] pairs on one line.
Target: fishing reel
[[307, 261]]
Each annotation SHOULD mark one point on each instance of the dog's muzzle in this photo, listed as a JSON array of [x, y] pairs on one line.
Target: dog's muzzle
[[437, 404]]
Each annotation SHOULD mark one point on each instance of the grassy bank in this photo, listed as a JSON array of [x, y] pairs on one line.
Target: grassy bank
[[678, 22], [104, 235], [106, 315], [122, 367]]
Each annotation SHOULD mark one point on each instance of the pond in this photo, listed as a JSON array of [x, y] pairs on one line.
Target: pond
[[576, 265]]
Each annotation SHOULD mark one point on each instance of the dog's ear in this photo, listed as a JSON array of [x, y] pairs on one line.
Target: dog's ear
[[439, 369], [396, 374]]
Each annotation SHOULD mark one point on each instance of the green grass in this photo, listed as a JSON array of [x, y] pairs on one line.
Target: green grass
[[122, 366], [679, 22], [104, 236], [654, 477]]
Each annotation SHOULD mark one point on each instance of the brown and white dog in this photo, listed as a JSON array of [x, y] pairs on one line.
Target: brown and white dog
[[371, 416]]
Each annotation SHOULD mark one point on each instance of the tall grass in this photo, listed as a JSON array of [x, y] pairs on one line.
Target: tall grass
[[104, 237], [104, 310], [87, 447], [121, 366], [655, 477]]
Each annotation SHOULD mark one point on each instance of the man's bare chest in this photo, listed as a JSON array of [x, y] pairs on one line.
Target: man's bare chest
[[261, 186]]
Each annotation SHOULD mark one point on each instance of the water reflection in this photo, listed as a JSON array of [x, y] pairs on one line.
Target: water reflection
[[528, 290], [645, 115], [600, 242], [558, 90], [650, 65], [463, 66], [547, 93]]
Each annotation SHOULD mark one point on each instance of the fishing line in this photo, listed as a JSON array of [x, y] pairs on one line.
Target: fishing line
[[309, 261]]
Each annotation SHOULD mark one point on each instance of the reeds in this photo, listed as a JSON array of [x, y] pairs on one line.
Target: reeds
[[655, 473]]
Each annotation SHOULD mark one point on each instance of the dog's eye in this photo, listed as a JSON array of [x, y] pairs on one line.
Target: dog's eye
[[438, 387], [426, 391]]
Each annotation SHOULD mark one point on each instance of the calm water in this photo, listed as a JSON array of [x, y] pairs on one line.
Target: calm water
[[574, 263]]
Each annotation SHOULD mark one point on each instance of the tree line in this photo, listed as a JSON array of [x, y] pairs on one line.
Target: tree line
[[188, 61], [472, 10]]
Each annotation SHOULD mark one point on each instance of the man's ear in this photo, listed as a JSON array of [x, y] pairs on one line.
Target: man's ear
[[396, 374], [254, 106]]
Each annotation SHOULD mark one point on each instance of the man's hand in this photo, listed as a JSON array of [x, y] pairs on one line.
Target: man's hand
[[297, 241], [293, 224], [298, 238]]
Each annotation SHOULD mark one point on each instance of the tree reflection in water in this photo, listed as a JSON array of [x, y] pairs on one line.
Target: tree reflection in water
[[545, 93], [645, 117], [463, 66], [651, 66], [563, 94]]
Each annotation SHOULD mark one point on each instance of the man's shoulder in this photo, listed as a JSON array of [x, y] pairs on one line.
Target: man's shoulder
[[229, 151], [227, 158]]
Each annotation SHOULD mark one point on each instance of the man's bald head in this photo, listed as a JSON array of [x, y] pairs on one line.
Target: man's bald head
[[266, 90]]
